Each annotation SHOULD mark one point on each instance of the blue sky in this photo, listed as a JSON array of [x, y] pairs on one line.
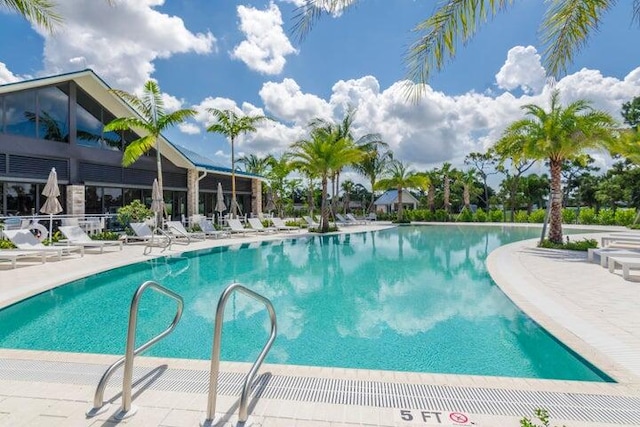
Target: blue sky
[[242, 54]]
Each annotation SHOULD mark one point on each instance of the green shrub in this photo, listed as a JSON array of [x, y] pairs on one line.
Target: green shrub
[[537, 216], [106, 235], [542, 415], [480, 216], [606, 217], [441, 216], [587, 216], [569, 216], [465, 216], [195, 228], [6, 244], [580, 245], [403, 221], [294, 223], [133, 212], [625, 216], [496, 215], [521, 216]]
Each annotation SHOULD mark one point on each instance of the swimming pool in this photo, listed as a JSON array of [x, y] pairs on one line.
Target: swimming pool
[[408, 299]]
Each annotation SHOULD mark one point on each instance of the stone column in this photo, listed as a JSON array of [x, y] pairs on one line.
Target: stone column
[[193, 189], [256, 197], [75, 200]]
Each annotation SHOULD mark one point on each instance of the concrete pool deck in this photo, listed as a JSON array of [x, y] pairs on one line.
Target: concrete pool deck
[[582, 304]]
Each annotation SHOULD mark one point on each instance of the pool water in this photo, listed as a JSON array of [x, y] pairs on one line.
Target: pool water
[[412, 298]]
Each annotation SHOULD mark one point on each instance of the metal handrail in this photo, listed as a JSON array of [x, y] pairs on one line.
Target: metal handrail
[[173, 230], [130, 352], [158, 232], [215, 352]]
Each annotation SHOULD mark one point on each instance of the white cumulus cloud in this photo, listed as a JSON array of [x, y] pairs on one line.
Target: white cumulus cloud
[[7, 76], [523, 70], [286, 101], [266, 45], [119, 42], [189, 128]]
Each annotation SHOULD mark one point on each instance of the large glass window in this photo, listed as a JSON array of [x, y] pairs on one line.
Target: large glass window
[[16, 107], [112, 199], [40, 113], [21, 198], [93, 200], [53, 113], [91, 118]]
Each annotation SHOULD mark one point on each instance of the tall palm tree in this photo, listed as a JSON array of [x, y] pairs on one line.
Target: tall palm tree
[[39, 12], [565, 29], [468, 181], [433, 178], [373, 164], [320, 156], [400, 176], [231, 125], [445, 172], [151, 121], [557, 135]]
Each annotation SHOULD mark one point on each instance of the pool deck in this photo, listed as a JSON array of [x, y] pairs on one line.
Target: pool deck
[[589, 309]]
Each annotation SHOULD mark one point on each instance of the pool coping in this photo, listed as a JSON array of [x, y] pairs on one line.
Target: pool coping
[[496, 263]]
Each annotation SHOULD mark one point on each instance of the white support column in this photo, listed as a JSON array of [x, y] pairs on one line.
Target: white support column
[[75, 200], [193, 189], [256, 196]]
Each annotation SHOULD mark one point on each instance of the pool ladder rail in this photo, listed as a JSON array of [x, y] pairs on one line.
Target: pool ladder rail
[[128, 410]]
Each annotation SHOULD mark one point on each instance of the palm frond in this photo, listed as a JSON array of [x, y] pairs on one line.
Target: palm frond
[[636, 11], [311, 11], [39, 12], [174, 118], [137, 148], [126, 123], [566, 28], [453, 22], [135, 102]]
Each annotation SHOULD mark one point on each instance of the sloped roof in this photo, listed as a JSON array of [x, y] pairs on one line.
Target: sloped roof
[[91, 83], [391, 196]]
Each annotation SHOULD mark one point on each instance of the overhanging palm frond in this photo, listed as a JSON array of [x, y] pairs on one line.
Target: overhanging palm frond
[[126, 123], [453, 22], [636, 11], [566, 28], [174, 118], [312, 10], [39, 12]]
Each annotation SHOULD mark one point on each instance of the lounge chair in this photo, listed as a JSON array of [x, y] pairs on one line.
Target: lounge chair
[[143, 233], [209, 230], [25, 241], [341, 220], [310, 222], [13, 255], [176, 229], [236, 227], [355, 220], [256, 224], [613, 239], [279, 224], [77, 237]]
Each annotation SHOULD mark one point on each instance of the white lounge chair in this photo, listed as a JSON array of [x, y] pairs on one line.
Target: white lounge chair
[[355, 220], [605, 253], [143, 233], [256, 224], [76, 236], [236, 227], [209, 230], [176, 229], [13, 255], [281, 226], [24, 240], [627, 264], [341, 220], [310, 222], [613, 239]]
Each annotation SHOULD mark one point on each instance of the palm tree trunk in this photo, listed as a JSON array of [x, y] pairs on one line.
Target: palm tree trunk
[[324, 213], [160, 183], [555, 222], [467, 197], [234, 203], [447, 194], [431, 198], [373, 196], [399, 203]]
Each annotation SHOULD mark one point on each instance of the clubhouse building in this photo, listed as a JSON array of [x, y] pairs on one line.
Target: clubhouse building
[[58, 122]]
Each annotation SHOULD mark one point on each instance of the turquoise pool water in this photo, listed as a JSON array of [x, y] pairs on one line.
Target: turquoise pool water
[[408, 299]]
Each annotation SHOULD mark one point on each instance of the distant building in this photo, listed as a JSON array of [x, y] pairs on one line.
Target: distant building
[[58, 122], [388, 202]]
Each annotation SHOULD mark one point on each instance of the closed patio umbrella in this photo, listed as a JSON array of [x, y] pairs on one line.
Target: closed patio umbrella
[[157, 201], [220, 206], [51, 192]]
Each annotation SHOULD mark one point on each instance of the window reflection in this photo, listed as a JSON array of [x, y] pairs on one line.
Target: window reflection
[[53, 113], [15, 105], [91, 118], [21, 198]]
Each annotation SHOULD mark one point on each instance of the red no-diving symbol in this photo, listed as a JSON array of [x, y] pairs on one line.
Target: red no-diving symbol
[[459, 418]]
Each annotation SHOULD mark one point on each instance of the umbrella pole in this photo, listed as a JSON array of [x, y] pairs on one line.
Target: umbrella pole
[[50, 228]]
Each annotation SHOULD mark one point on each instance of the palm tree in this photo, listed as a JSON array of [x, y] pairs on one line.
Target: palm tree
[[557, 135], [401, 177], [229, 124], [152, 120], [320, 156], [255, 164], [433, 178], [468, 181], [39, 12], [565, 29], [372, 166], [445, 172]]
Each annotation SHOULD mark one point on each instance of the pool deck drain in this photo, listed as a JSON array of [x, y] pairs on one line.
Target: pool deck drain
[[592, 312]]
